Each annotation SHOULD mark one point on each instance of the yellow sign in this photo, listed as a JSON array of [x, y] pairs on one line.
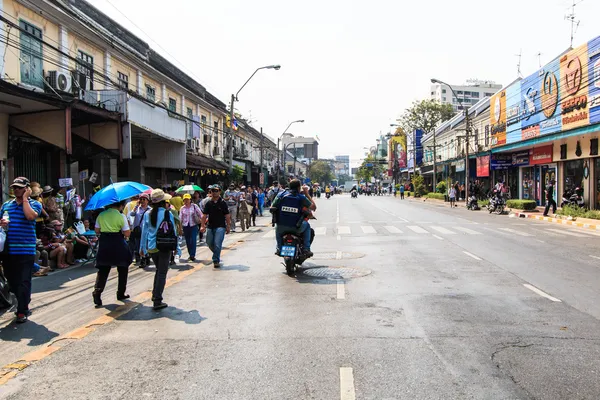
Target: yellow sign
[[574, 88], [498, 118]]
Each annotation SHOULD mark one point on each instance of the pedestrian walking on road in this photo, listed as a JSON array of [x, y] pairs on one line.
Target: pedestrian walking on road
[[402, 192], [452, 196], [18, 216], [261, 201], [216, 221], [113, 251], [191, 218], [244, 203], [550, 198], [232, 197], [159, 241]]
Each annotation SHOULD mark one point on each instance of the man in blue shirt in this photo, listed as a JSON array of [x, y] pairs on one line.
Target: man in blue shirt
[[18, 215]]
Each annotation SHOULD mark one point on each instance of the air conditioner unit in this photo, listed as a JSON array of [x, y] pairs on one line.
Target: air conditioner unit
[[59, 81], [198, 142], [191, 143]]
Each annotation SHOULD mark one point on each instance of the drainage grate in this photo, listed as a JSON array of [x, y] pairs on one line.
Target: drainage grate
[[335, 273]]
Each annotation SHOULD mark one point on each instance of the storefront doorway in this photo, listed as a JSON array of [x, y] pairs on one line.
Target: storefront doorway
[[535, 180], [573, 176]]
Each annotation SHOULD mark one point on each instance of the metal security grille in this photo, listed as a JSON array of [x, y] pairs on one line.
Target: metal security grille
[[31, 162]]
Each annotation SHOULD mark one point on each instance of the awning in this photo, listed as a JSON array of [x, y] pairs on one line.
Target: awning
[[199, 161], [426, 169]]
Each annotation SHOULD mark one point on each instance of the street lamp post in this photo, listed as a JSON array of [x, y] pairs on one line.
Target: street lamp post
[[283, 153], [467, 134], [234, 98]]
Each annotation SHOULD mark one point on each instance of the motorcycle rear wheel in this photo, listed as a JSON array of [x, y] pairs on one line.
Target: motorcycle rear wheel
[[289, 266], [500, 210]]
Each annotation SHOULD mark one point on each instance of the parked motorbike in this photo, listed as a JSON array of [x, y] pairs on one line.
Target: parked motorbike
[[472, 203], [497, 204], [327, 195], [293, 252], [573, 198]]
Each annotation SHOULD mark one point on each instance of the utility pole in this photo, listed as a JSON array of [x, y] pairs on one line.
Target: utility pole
[[231, 134], [434, 164], [467, 134], [261, 169]]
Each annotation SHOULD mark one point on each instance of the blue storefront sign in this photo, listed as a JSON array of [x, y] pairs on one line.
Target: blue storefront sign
[[509, 160]]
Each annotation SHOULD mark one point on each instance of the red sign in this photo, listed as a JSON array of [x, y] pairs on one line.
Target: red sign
[[540, 155], [483, 166]]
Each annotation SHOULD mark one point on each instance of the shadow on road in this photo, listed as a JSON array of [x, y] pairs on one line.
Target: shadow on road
[[239, 268], [56, 280], [38, 334], [146, 313]]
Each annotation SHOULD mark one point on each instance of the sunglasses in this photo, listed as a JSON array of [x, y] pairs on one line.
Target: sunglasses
[[214, 190]]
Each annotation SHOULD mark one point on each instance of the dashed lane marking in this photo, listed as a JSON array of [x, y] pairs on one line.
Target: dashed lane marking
[[347, 391], [320, 230], [516, 232], [438, 237], [341, 291], [339, 237], [416, 229], [269, 235], [541, 293], [467, 230], [472, 255], [338, 255], [392, 229], [443, 230], [596, 257], [368, 229], [343, 230], [564, 232]]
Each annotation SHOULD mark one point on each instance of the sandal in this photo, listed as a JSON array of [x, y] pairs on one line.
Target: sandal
[[40, 273], [64, 266]]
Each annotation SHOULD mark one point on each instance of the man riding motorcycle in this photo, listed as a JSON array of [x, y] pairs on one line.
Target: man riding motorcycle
[[291, 209]]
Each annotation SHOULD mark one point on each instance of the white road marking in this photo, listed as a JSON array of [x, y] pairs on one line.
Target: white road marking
[[564, 232], [392, 214], [341, 291], [343, 230], [585, 232], [443, 230], [338, 255], [467, 230], [416, 229], [515, 232], [339, 237], [270, 234], [438, 237], [337, 213], [320, 231], [347, 391], [392, 229], [472, 255], [596, 257], [541, 293], [368, 229]]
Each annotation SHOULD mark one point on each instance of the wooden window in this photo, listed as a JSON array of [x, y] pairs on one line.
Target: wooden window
[[172, 105], [123, 80], [150, 93], [190, 113], [85, 65], [32, 72], [593, 147], [563, 151]]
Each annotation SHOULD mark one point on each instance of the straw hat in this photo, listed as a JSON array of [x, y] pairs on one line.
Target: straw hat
[[158, 195]]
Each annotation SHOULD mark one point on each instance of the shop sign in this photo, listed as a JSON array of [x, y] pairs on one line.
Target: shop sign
[[498, 118], [520, 158], [594, 79], [483, 166], [83, 175], [574, 88], [460, 166], [65, 182], [501, 161], [513, 113], [541, 155]]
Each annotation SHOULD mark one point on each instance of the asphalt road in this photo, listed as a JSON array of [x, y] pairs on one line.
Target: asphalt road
[[403, 300]]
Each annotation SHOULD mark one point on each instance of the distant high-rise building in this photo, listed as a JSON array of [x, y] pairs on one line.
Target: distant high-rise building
[[469, 94], [346, 161]]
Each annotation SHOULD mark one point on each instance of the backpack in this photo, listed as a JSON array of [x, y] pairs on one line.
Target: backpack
[[166, 238]]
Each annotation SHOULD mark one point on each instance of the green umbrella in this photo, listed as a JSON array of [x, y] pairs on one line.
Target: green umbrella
[[189, 189]]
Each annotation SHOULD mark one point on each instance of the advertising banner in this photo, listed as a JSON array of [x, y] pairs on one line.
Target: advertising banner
[[574, 88], [540, 155], [498, 118], [594, 77], [501, 161], [520, 158], [483, 166], [550, 117], [513, 113], [531, 107], [460, 165]]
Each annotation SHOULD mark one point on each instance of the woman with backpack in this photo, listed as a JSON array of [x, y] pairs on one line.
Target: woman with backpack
[[159, 240], [113, 228]]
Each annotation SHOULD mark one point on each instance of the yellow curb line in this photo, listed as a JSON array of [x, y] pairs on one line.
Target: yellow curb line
[[561, 221], [11, 370]]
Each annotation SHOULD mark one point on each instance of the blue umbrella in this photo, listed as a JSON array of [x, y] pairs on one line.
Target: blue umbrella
[[114, 193]]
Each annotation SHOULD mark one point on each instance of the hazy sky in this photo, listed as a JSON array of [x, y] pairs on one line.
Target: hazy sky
[[349, 67]]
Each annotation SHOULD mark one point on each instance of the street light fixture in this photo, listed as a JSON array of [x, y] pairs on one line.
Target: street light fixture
[[234, 98], [467, 133], [300, 121]]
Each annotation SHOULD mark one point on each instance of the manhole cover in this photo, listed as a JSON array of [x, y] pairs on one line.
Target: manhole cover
[[336, 272], [336, 255]]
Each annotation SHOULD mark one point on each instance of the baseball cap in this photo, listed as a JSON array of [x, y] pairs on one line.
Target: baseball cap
[[20, 182], [187, 196]]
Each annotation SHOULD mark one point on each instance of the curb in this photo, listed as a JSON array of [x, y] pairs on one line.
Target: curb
[[557, 221]]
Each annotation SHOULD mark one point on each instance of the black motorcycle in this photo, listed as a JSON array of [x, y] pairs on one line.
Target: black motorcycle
[[292, 251], [354, 194], [497, 204], [573, 198], [472, 203]]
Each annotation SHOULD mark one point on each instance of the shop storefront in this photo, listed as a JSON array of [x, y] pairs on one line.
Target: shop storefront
[[537, 175], [483, 172], [505, 167]]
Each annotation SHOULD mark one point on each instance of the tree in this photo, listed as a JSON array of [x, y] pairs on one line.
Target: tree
[[320, 172], [237, 174], [344, 178], [370, 168], [425, 115]]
